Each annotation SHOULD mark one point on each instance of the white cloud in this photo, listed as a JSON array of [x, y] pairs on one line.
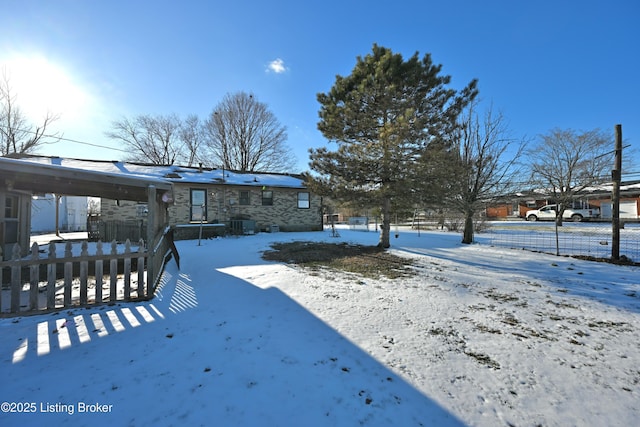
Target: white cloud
[[277, 66]]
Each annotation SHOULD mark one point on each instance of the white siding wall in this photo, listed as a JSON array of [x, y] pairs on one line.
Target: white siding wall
[[72, 213]]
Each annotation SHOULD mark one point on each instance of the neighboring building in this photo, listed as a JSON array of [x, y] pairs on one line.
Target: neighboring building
[[598, 196], [72, 213], [628, 208]]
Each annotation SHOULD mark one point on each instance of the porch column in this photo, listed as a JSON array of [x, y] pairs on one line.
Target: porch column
[[152, 207]]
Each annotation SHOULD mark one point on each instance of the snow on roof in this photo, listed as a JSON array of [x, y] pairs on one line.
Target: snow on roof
[[174, 173], [606, 187]]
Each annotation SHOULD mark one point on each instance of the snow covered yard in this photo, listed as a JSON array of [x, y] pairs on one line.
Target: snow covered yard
[[480, 336]]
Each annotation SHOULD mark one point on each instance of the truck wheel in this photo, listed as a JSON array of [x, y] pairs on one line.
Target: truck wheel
[[576, 218], [532, 218]]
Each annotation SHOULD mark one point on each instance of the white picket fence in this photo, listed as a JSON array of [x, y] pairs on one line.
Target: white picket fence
[[34, 284]]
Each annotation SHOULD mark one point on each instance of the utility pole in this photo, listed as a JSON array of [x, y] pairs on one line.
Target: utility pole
[[616, 175]]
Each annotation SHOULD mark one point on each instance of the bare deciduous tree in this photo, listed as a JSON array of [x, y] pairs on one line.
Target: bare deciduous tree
[[154, 139], [192, 136], [566, 162], [17, 134], [484, 164], [243, 134]]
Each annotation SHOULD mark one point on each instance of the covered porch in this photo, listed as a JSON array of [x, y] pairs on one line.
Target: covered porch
[[21, 179]]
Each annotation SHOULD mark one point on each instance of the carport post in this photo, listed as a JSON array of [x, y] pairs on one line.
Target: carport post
[[152, 206]]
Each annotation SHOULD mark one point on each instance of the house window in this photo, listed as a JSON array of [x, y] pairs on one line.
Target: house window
[[11, 207], [10, 221], [198, 205], [304, 201], [244, 198], [267, 198]]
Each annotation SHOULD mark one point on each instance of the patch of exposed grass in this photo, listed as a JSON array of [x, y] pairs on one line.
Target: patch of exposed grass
[[367, 261], [483, 359]]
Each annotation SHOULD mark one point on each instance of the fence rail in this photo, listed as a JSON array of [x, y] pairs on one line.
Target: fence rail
[[35, 284], [161, 253]]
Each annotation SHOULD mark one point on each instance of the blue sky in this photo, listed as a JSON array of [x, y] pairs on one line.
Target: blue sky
[[543, 64]]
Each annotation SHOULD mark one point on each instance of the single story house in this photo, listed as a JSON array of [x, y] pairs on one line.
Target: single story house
[[217, 200]]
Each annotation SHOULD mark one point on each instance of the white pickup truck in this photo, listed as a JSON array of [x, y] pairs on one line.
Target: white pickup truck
[[548, 213]]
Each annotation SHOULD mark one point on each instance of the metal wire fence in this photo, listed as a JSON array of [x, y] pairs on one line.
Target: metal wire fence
[[582, 239]]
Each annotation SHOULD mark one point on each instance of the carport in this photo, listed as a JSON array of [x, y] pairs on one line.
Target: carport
[[20, 179]]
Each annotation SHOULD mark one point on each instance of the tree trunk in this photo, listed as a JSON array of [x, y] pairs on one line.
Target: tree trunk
[[467, 235], [558, 238], [559, 215], [385, 227]]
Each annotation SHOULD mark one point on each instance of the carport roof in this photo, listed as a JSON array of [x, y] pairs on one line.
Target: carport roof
[[174, 173], [54, 176]]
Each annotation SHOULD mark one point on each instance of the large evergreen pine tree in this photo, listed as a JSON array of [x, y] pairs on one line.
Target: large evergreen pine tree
[[382, 117]]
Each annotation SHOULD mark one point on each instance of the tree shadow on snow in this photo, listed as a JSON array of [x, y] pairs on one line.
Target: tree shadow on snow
[[275, 363], [211, 348]]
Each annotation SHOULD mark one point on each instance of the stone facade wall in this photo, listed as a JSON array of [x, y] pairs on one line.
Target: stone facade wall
[[122, 210], [223, 203]]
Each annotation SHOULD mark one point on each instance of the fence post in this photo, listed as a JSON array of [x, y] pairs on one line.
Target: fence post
[[141, 269], [34, 277], [113, 272], [99, 273], [127, 270], [84, 272], [51, 277], [68, 275]]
